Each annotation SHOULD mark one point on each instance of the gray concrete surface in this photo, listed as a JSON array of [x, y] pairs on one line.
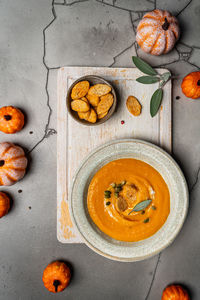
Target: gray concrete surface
[[36, 38]]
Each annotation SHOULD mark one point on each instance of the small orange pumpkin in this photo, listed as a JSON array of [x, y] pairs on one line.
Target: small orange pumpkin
[[11, 119], [175, 292], [4, 204], [13, 163], [56, 276], [191, 85], [157, 32]]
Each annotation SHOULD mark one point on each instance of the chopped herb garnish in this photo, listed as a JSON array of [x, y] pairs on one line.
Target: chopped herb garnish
[[116, 194], [143, 212], [108, 203], [153, 207], [146, 220]]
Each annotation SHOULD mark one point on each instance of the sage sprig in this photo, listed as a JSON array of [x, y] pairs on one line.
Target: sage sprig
[[148, 79], [156, 100], [143, 66], [153, 77]]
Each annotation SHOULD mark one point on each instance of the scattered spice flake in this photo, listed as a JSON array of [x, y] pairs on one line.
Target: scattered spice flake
[[177, 97], [108, 203], [19, 191], [122, 122]]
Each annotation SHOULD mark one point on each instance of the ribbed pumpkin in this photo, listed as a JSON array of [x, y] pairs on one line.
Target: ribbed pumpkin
[[11, 119], [157, 32], [175, 292], [191, 85], [56, 276], [4, 204], [13, 163]]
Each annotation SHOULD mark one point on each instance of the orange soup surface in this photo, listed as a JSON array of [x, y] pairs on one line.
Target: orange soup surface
[[128, 200]]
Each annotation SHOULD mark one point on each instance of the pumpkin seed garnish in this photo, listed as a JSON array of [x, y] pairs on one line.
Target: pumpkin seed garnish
[[118, 189], [153, 207], [113, 184], [123, 182], [108, 203], [146, 220], [141, 205], [107, 194], [119, 185]]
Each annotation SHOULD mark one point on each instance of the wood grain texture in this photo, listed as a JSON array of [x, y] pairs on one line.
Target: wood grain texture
[[75, 141]]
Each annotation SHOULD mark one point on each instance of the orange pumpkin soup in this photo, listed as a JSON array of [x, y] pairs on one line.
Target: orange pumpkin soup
[[128, 200]]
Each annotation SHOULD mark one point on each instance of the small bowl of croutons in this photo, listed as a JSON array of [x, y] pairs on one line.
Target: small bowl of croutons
[[91, 100]]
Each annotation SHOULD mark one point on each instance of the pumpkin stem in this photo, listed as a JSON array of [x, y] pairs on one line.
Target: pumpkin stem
[[165, 25], [7, 117], [56, 283], [2, 162], [198, 82]]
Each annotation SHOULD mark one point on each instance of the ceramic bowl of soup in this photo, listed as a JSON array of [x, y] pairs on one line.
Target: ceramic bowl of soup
[[128, 200]]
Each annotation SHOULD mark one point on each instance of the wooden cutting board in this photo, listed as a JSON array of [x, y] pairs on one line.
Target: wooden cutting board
[[75, 141]]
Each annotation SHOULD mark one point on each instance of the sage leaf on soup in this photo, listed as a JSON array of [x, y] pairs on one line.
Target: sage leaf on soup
[[148, 79], [156, 100], [143, 66], [141, 205]]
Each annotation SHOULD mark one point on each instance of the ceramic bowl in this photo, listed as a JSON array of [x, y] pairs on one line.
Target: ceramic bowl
[[92, 80], [171, 173]]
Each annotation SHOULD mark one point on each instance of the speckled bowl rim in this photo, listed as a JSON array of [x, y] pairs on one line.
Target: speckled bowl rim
[[99, 80], [90, 234]]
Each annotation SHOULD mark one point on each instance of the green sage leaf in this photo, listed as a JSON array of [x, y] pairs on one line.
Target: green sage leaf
[[147, 79], [156, 100], [141, 206], [143, 66]]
